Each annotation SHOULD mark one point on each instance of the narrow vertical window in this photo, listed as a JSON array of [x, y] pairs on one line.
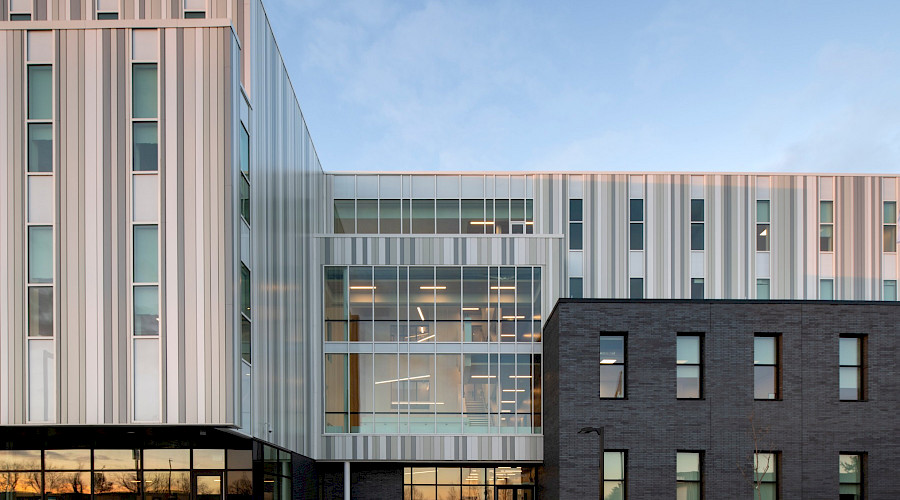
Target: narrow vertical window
[[826, 226], [826, 289], [40, 254], [765, 475], [245, 291], [636, 288], [890, 226], [762, 225], [245, 151], [697, 223], [612, 366], [613, 475], [850, 474], [890, 290], [40, 95], [575, 225], [762, 289], [689, 366], [245, 199], [636, 221], [145, 90], [851, 368], [40, 147], [146, 147], [697, 288], [766, 364], [40, 311], [576, 288], [688, 475]]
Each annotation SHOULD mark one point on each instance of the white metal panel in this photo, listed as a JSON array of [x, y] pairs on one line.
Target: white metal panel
[[389, 186], [826, 188], [367, 186], [636, 264], [146, 380], [697, 186], [40, 46], [889, 188], [576, 263], [145, 200], [20, 6], [517, 186], [889, 267], [41, 380], [635, 186], [826, 265], [145, 46], [472, 186], [108, 5], [576, 186], [245, 244], [41, 199], [698, 264], [344, 186], [447, 186], [763, 191], [763, 264], [501, 186]]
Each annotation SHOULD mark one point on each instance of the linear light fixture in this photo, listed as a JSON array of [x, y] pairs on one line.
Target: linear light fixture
[[506, 287], [507, 334], [482, 222], [362, 287], [513, 390], [426, 338], [508, 402], [484, 376], [512, 317], [520, 376], [607, 361], [432, 287], [419, 377], [421, 315], [415, 403], [471, 309], [529, 223]]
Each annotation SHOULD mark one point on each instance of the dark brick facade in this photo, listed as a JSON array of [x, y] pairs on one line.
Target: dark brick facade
[[368, 481], [809, 426]]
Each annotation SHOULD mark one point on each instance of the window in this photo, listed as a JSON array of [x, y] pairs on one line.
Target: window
[[890, 289], [40, 147], [106, 16], [613, 475], [40, 92], [689, 366], [766, 362], [20, 17], [762, 289], [762, 225], [465, 482], [245, 198], [688, 475], [851, 361], [636, 218], [245, 151], [194, 9], [245, 291], [575, 225], [612, 366], [826, 226], [637, 288], [826, 289], [890, 226], [697, 219], [576, 288], [850, 474], [765, 475], [697, 291]]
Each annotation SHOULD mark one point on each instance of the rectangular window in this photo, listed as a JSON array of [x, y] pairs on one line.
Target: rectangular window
[[613, 475], [40, 254], [422, 215], [612, 366], [245, 291], [20, 17], [852, 356], [576, 288], [576, 210], [106, 16], [890, 290], [765, 475], [40, 147], [697, 289], [637, 288], [144, 90], [689, 366], [762, 225], [890, 226], [688, 475], [40, 311], [40, 92], [575, 236], [146, 310], [766, 364], [245, 151], [146, 147], [344, 216], [850, 474], [826, 289], [636, 218], [762, 289], [826, 226], [245, 198], [146, 254]]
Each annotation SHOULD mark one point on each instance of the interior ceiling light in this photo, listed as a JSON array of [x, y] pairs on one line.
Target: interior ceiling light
[[426, 338], [513, 317], [481, 223], [432, 287], [421, 315], [418, 377], [503, 287], [362, 287], [471, 309], [607, 361], [484, 376]]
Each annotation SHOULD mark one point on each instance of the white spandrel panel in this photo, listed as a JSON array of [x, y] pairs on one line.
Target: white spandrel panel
[[889, 266], [576, 263], [576, 188], [697, 186], [245, 244], [108, 5], [20, 6], [889, 188], [390, 186], [636, 264], [145, 45], [698, 264], [763, 264], [344, 186], [40, 46], [763, 188], [40, 199], [517, 186], [41, 380], [635, 186], [146, 380], [826, 265], [472, 186], [447, 186], [145, 201], [367, 186]]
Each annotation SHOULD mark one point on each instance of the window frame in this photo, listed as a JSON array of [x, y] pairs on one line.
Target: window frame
[[861, 348], [699, 364], [700, 481], [889, 245], [776, 365], [623, 364], [623, 480], [776, 458], [826, 224], [863, 463]]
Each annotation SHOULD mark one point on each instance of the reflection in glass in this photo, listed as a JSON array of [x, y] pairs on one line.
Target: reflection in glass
[[67, 459], [367, 216], [209, 459], [40, 92], [146, 310], [146, 254], [171, 485], [613, 475], [117, 459], [240, 485], [40, 254], [144, 91], [40, 311], [167, 458], [762, 211], [575, 236], [40, 147], [20, 460], [245, 151], [697, 214], [688, 359], [851, 476], [697, 242], [344, 216], [245, 291], [146, 147], [245, 198]]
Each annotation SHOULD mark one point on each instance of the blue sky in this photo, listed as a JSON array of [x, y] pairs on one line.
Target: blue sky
[[796, 86]]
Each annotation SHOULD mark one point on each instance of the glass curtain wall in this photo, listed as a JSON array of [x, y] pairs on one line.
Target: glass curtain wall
[[434, 216], [476, 483], [416, 377]]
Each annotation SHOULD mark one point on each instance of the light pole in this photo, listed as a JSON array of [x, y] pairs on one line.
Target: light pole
[[599, 432]]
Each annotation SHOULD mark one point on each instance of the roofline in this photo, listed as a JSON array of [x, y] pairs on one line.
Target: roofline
[[597, 172]]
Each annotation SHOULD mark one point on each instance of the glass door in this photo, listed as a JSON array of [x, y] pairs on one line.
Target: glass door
[[207, 485], [515, 492]]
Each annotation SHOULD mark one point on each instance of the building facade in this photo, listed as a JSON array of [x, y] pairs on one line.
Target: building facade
[[690, 395], [177, 270]]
